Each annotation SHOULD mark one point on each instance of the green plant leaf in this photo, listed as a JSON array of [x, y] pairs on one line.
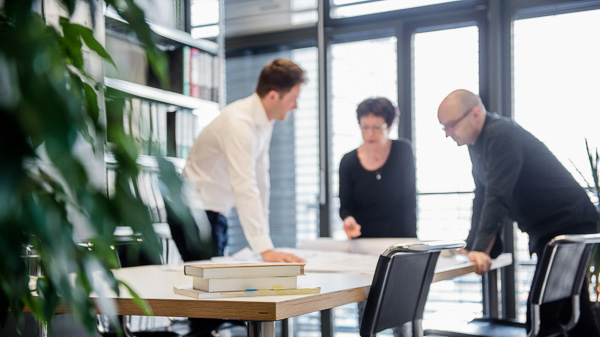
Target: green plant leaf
[[143, 304], [91, 99], [71, 42], [88, 37], [52, 105]]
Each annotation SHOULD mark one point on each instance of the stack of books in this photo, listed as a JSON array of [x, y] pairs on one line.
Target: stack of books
[[235, 280]]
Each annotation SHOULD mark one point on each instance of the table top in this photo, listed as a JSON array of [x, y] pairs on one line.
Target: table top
[[155, 285]]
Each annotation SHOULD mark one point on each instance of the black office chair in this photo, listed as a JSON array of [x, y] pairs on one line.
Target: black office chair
[[559, 276], [400, 286]]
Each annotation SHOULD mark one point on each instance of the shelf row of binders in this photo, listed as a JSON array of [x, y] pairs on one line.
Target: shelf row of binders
[[194, 67], [160, 123]]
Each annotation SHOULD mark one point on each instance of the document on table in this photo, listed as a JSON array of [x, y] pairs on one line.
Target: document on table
[[316, 260], [347, 256], [373, 246], [332, 261]]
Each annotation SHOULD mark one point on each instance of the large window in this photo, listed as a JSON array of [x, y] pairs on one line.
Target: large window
[[556, 72], [444, 60], [556, 83]]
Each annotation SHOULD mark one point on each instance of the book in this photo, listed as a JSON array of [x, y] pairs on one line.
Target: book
[[145, 126], [243, 283], [199, 294], [136, 120], [244, 270]]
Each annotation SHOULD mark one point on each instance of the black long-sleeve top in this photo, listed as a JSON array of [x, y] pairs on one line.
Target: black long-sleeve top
[[517, 176], [383, 207]]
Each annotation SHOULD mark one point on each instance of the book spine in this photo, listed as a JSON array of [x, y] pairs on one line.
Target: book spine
[[186, 291], [240, 284], [243, 272]]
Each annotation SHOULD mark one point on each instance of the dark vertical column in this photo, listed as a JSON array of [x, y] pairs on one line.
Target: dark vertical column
[[324, 121], [186, 14], [324, 143], [507, 275], [405, 82], [495, 89], [490, 294]]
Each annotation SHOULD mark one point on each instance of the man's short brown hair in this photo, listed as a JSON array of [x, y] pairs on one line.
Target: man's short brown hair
[[280, 75]]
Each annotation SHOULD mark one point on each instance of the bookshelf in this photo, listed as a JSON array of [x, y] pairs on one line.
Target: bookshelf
[[166, 37], [163, 121]]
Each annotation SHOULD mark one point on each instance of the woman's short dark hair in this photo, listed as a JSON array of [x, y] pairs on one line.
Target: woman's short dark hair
[[280, 75], [380, 107]]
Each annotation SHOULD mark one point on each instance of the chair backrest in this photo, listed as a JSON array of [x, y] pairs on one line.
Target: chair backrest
[[560, 274], [400, 286]]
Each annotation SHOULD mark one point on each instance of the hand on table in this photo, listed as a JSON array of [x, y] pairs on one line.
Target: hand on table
[[463, 251], [482, 261], [273, 256], [351, 227]]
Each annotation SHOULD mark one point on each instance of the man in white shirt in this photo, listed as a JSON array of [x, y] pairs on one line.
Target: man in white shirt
[[229, 161]]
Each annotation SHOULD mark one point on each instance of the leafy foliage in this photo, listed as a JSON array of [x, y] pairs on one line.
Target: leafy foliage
[[594, 270], [49, 107], [593, 159], [595, 261]]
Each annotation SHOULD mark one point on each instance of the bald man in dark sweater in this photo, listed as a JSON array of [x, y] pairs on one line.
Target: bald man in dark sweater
[[516, 176]]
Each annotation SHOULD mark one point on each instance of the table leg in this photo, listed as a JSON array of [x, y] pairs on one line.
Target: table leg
[[261, 329], [490, 294], [286, 324], [327, 323]]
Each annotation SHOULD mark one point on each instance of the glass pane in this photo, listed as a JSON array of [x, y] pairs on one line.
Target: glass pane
[[359, 70], [556, 88], [556, 84], [204, 12], [205, 19], [306, 140], [350, 8], [444, 61], [243, 17]]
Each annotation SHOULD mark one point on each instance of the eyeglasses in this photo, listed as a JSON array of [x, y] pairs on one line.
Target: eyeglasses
[[451, 125], [375, 128]]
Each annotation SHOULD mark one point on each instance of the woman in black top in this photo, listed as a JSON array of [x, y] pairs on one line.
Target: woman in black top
[[377, 180]]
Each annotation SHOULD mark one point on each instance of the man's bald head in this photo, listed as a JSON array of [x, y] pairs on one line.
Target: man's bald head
[[462, 115]]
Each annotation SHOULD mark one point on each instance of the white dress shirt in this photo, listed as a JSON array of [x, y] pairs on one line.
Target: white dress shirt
[[229, 165]]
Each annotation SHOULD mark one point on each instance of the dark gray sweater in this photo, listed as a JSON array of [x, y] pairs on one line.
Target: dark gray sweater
[[517, 176], [383, 207]]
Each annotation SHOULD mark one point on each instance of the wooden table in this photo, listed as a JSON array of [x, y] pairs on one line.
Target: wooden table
[[155, 284]]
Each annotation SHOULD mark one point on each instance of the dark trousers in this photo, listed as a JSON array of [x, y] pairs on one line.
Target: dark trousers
[[560, 311], [218, 224]]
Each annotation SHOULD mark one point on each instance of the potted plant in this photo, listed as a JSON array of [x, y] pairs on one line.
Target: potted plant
[[49, 104]]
